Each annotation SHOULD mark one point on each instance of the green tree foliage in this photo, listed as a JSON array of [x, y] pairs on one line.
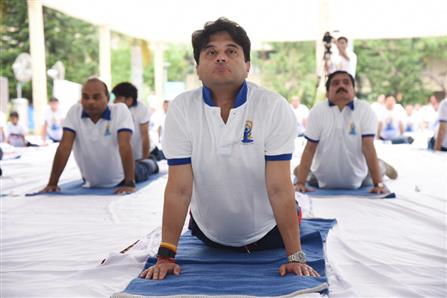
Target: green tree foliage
[[73, 42], [178, 58], [290, 70], [392, 66], [13, 41], [180, 61], [69, 40], [120, 56]]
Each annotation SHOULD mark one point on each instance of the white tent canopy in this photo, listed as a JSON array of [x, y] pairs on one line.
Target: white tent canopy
[[264, 20]]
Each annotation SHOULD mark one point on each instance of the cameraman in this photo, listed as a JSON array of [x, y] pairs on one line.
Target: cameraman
[[343, 60]]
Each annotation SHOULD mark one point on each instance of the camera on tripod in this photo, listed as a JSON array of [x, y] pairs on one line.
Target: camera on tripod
[[327, 42]]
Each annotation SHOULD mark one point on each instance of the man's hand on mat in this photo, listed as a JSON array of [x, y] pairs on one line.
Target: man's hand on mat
[[379, 189], [297, 269], [160, 270], [302, 188], [51, 188], [124, 190]]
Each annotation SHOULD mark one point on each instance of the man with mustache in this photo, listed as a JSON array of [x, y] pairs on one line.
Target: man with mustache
[[340, 148], [228, 146]]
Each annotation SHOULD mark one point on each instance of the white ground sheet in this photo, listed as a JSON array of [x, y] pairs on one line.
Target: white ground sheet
[[52, 245]]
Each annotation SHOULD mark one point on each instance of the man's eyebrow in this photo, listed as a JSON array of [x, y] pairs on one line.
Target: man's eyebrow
[[233, 45]]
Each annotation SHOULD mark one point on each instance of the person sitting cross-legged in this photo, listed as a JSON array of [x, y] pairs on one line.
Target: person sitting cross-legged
[[340, 151]]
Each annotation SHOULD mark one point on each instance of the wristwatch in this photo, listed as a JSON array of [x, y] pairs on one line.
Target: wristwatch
[[380, 184], [298, 257]]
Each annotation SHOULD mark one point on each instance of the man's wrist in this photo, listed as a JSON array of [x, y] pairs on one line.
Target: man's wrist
[[379, 184], [130, 183], [297, 257]]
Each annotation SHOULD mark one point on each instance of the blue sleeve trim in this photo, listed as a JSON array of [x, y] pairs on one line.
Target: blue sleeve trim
[[179, 161], [69, 129], [279, 157], [125, 129], [368, 135], [310, 140], [443, 121]]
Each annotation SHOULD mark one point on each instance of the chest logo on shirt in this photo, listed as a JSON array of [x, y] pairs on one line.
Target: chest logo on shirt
[[247, 138], [107, 132], [352, 130]]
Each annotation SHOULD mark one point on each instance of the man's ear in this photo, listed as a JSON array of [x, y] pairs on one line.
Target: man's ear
[[247, 66]]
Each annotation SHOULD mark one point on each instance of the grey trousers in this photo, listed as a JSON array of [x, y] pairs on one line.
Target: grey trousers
[[144, 168]]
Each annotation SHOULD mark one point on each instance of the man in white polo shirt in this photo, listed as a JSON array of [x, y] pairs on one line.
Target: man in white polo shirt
[[145, 165], [101, 136], [228, 146], [441, 134], [340, 142]]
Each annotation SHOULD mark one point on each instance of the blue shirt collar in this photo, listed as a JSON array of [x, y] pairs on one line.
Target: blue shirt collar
[[350, 104], [105, 115], [241, 96]]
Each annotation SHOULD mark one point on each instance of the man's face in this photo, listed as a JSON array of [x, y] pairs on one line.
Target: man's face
[[54, 105], [390, 101], [125, 100], [165, 106], [341, 89], [14, 120], [94, 98], [222, 62], [342, 44]]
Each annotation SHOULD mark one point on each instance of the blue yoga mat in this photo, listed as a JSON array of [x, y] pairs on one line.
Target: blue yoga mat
[[208, 271], [360, 192], [75, 188]]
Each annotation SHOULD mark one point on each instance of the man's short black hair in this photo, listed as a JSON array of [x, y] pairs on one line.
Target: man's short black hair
[[342, 37], [332, 75], [200, 38], [54, 99], [13, 114], [126, 89]]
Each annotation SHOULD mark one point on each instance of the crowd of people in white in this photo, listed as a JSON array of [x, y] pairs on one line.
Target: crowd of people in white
[[397, 122]]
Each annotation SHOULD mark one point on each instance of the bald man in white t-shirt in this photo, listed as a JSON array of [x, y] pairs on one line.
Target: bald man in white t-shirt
[[100, 136]]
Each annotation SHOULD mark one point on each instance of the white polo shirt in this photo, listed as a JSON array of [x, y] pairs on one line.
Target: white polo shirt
[[339, 161], [96, 149], [391, 120], [443, 118], [338, 62], [301, 113], [140, 115], [54, 123], [229, 201]]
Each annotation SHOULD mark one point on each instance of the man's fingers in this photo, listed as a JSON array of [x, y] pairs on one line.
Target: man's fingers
[[147, 273], [156, 273], [305, 270], [177, 269], [314, 272], [282, 270], [162, 273]]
